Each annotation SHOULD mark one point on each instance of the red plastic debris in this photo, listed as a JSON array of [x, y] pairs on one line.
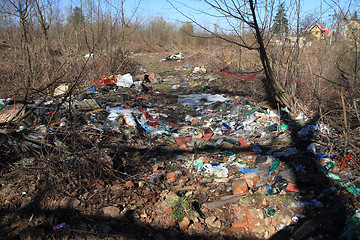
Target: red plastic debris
[[59, 226], [291, 187], [244, 145], [106, 81], [235, 76], [207, 136], [345, 158]]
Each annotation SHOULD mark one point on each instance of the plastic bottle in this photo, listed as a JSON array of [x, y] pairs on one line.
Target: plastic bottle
[[327, 167], [352, 228]]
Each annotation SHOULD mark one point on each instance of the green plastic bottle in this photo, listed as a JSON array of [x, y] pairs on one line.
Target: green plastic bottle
[[327, 167], [352, 228]]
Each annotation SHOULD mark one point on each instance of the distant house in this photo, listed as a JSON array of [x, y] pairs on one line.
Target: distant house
[[350, 28], [319, 32]]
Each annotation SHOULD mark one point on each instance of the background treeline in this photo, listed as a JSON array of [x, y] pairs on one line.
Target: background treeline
[[42, 43]]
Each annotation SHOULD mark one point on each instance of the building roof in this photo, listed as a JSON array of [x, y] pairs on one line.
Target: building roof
[[323, 29]]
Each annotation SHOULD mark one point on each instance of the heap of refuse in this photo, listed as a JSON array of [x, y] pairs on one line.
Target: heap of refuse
[[235, 164]]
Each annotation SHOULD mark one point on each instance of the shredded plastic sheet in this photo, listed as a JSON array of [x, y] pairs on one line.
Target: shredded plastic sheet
[[198, 99], [248, 170], [129, 115], [218, 170], [307, 130], [198, 164], [148, 129], [125, 81]]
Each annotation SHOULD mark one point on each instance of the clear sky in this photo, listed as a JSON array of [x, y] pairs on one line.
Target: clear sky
[[162, 8]]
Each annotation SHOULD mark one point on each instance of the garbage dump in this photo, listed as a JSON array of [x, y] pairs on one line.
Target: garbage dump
[[177, 56], [197, 162]]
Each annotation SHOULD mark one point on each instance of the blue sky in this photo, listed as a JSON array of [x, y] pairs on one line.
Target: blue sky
[[162, 8]]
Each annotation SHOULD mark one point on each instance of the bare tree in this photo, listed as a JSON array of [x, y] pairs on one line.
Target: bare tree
[[22, 9], [247, 12]]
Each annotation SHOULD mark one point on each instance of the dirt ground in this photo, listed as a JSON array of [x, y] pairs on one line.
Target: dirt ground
[[228, 168]]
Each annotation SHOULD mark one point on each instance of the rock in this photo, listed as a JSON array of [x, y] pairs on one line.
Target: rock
[[143, 215], [155, 168], [168, 211], [116, 189], [184, 224], [107, 161], [255, 219], [254, 177], [195, 219], [224, 200], [189, 193], [240, 187], [129, 184], [69, 202], [216, 224], [183, 180], [240, 223], [172, 222], [235, 230], [172, 176], [212, 221], [111, 211], [267, 221]]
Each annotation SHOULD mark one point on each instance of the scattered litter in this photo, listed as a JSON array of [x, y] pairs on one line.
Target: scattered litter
[[61, 90], [205, 99], [185, 150], [176, 56], [59, 226], [11, 112], [125, 81], [89, 55], [85, 105], [199, 70], [307, 131]]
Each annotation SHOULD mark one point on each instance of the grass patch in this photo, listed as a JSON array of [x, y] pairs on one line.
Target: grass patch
[[181, 208]]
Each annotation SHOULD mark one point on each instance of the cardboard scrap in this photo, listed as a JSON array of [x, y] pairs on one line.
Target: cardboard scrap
[[61, 90], [9, 112], [86, 104]]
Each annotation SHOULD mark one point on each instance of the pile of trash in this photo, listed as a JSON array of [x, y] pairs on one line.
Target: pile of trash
[[200, 163]]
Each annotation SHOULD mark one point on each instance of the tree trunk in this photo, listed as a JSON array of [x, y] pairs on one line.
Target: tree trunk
[[274, 90]]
